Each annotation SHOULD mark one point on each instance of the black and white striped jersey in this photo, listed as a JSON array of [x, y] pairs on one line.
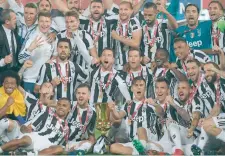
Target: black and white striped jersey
[[48, 124], [207, 93], [77, 54], [218, 38], [100, 31], [146, 74], [139, 114], [125, 30], [154, 37], [104, 86], [81, 122], [195, 54], [68, 72], [34, 107], [195, 106]]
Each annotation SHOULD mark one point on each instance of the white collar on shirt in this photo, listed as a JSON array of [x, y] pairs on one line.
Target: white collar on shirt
[[7, 31]]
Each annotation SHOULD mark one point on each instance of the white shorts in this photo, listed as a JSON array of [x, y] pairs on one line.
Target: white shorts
[[130, 144], [152, 136], [220, 120], [15, 132], [38, 142], [84, 146]]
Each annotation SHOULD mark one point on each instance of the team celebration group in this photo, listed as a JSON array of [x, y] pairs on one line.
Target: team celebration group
[[163, 82]]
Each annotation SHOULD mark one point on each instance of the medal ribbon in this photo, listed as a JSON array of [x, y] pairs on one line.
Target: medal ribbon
[[194, 89], [96, 36], [65, 128], [64, 81], [132, 76], [155, 27], [40, 104], [163, 73], [131, 117], [121, 29], [109, 81], [86, 120]]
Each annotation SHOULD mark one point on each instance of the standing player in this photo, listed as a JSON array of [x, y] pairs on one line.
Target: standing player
[[106, 81], [195, 32], [48, 129], [126, 33], [213, 123], [99, 26], [138, 114], [183, 115], [81, 41], [216, 13], [184, 53], [135, 69], [155, 33], [62, 73], [38, 49]]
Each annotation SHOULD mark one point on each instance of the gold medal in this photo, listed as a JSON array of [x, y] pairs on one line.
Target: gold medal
[[100, 96], [129, 122], [65, 88]]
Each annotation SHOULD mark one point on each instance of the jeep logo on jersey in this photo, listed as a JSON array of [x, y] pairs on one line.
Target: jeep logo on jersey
[[147, 42], [138, 119], [77, 124], [195, 44], [54, 129], [206, 95]]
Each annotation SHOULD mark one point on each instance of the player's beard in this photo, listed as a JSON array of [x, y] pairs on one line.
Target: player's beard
[[214, 77]]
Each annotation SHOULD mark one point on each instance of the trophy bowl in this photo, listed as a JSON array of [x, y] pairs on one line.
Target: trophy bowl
[[103, 123]]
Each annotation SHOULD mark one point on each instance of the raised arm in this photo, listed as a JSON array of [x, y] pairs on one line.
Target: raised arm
[[60, 4]]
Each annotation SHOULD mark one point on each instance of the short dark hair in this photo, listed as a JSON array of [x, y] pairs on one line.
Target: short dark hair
[[73, 14], [5, 15], [64, 40], [138, 78], [164, 50], [110, 49], [134, 49], [163, 79], [11, 74], [96, 1], [84, 85], [179, 39], [127, 2], [194, 5], [47, 1], [214, 64], [184, 81], [217, 2], [31, 5], [64, 98], [45, 14], [150, 5], [194, 61]]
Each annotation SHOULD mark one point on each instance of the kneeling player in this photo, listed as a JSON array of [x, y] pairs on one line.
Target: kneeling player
[[48, 129], [81, 121], [183, 115], [139, 116]]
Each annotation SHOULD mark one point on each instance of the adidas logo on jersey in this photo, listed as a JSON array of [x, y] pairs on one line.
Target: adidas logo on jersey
[[195, 44]]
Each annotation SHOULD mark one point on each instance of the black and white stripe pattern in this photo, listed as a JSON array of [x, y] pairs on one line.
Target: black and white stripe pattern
[[117, 83], [105, 39], [196, 106], [161, 41], [76, 53], [145, 117], [221, 36], [33, 108], [195, 54], [75, 125], [48, 125], [76, 75], [121, 49]]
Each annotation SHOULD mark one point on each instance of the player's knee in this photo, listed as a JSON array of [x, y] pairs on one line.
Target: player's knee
[[114, 148], [25, 141], [55, 150], [12, 125]]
